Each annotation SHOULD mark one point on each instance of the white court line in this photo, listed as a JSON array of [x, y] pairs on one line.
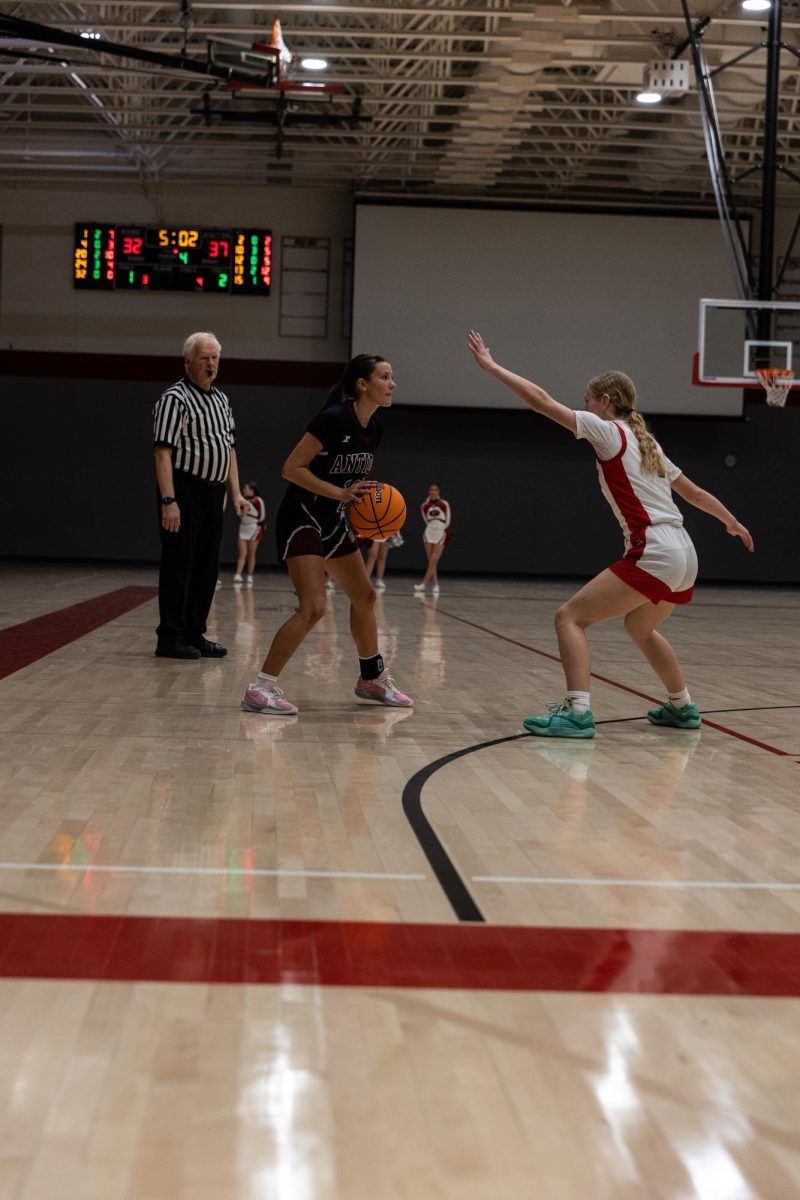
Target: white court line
[[644, 883], [256, 871]]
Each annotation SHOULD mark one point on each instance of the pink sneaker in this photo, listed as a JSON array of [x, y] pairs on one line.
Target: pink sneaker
[[267, 698], [383, 690]]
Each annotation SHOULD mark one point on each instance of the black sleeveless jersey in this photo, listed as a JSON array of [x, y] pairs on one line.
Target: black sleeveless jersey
[[346, 456]]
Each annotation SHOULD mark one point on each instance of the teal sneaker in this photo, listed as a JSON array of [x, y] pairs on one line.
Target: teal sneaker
[[561, 722], [680, 718]]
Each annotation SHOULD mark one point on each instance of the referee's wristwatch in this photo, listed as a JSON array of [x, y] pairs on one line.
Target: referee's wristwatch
[[167, 500]]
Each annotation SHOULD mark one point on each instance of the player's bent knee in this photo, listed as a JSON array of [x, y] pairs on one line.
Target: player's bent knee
[[565, 616], [643, 640], [364, 600], [312, 611], [640, 636]]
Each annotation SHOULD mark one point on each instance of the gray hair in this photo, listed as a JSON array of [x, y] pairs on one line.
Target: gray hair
[[194, 338]]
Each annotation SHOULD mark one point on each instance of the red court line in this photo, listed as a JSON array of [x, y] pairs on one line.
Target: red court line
[[357, 954], [26, 643], [623, 687]]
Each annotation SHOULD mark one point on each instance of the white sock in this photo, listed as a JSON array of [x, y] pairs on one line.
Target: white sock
[[264, 678], [579, 702], [680, 699]]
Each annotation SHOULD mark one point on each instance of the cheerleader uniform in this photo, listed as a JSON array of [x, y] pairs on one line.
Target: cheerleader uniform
[[436, 515], [306, 523], [250, 523]]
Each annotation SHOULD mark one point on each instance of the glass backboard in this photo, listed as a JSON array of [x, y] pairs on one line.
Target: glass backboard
[[737, 337]]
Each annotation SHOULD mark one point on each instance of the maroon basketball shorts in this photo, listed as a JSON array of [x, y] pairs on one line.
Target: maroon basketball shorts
[[299, 530]]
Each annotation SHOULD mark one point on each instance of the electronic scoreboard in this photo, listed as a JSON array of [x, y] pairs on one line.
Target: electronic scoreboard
[[171, 258]]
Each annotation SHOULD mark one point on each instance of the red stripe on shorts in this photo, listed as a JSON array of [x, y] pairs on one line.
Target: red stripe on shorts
[[654, 589]]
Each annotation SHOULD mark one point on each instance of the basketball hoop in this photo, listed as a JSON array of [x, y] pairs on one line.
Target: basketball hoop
[[777, 383]]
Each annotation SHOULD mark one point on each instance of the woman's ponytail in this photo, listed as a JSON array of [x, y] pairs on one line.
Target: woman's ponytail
[[360, 367], [621, 392], [652, 459]]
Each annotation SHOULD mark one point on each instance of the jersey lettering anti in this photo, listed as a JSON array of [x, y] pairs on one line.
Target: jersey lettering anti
[[637, 498], [347, 454]]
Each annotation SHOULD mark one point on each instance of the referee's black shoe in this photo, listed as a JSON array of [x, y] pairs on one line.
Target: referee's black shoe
[[209, 649], [177, 649]]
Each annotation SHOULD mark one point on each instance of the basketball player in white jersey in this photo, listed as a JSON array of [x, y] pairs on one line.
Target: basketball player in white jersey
[[659, 567]]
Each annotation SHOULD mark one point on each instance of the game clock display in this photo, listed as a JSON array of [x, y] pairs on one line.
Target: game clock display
[[166, 258]]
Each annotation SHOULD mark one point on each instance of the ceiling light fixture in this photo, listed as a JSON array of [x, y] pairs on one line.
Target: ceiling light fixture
[[756, 5], [648, 98], [314, 64]]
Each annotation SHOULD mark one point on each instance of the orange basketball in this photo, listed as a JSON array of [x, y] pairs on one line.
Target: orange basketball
[[379, 513]]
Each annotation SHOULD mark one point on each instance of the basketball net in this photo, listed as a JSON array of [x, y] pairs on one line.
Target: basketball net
[[777, 383]]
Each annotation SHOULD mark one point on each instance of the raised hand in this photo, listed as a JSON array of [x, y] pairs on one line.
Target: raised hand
[[480, 351]]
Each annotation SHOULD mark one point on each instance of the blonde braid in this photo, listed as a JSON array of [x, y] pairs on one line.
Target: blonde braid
[[621, 392], [652, 459]]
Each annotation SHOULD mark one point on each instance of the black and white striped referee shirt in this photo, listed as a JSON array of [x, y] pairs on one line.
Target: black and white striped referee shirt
[[199, 427]]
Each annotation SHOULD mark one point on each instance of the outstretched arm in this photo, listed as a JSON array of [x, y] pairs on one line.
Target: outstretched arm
[[534, 396], [707, 503]]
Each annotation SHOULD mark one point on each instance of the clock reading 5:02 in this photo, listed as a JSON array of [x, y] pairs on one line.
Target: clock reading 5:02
[[155, 258], [180, 237]]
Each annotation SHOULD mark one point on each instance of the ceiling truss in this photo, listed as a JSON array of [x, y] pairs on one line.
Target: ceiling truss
[[502, 100]]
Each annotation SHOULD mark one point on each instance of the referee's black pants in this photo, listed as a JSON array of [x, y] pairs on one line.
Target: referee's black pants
[[190, 560]]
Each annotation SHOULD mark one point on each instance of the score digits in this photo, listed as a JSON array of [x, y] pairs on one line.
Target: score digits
[[185, 238], [172, 258]]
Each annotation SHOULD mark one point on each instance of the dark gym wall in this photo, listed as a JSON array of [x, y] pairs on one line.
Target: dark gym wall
[[81, 377], [78, 479]]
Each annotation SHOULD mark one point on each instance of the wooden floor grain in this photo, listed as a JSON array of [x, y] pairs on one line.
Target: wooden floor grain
[[136, 786]]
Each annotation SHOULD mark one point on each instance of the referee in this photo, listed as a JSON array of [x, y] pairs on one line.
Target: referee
[[195, 459]]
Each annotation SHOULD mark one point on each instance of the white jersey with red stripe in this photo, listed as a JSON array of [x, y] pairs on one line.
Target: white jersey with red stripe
[[638, 498]]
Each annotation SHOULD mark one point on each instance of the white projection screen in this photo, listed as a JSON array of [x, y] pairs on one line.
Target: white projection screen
[[558, 297]]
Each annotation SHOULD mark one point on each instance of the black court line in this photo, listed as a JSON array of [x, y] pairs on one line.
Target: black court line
[[749, 708], [455, 889], [623, 687], [451, 883]]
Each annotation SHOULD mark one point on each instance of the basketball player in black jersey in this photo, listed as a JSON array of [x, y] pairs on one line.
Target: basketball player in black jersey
[[330, 466]]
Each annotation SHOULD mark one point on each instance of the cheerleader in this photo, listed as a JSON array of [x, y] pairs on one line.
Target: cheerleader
[[251, 529], [376, 558], [436, 517]]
